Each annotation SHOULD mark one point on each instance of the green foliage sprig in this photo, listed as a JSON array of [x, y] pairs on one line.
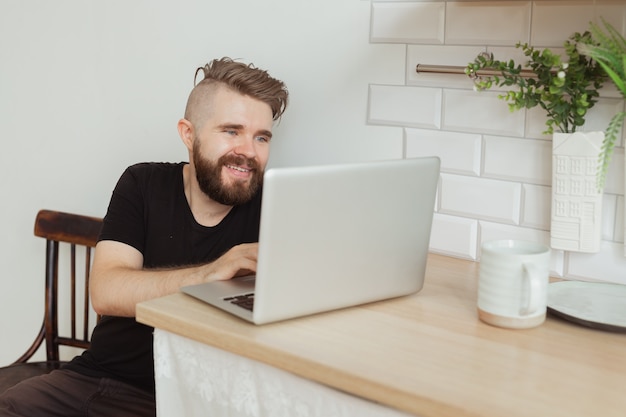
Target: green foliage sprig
[[609, 50], [564, 90]]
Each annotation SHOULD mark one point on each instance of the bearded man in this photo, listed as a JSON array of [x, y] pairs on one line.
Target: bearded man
[[167, 225]]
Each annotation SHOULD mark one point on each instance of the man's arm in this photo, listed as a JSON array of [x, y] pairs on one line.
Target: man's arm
[[119, 281]]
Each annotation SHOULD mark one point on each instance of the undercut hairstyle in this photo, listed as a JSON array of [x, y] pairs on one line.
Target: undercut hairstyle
[[243, 78]]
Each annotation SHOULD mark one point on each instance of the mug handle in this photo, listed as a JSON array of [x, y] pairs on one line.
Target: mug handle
[[534, 278]]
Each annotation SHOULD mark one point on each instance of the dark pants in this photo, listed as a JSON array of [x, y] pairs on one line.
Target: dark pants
[[69, 394]]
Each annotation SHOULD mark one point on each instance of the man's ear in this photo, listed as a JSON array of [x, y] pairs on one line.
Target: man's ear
[[186, 133]]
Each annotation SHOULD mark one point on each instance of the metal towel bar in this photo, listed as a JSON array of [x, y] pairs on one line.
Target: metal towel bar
[[450, 69]]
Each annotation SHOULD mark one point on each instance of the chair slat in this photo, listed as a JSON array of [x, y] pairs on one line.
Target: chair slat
[[86, 305], [73, 289]]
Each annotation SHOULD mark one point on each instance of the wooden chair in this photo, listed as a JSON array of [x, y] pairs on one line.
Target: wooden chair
[[64, 232]]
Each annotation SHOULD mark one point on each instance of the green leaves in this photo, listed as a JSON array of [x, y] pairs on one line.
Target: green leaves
[[609, 50], [565, 90], [606, 152]]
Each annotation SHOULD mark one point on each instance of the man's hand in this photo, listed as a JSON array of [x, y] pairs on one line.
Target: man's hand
[[119, 281], [240, 260]]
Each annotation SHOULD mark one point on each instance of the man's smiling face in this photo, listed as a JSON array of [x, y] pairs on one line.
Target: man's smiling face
[[231, 148]]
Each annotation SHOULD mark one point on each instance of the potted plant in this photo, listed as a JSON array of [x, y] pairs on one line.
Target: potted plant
[[609, 51], [565, 90]]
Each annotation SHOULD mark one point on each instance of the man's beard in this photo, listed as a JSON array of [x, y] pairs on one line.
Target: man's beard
[[209, 176]]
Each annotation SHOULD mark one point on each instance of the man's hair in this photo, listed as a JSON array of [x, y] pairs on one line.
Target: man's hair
[[243, 78]]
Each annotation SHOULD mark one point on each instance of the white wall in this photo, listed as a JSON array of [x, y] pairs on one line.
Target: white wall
[[88, 87]]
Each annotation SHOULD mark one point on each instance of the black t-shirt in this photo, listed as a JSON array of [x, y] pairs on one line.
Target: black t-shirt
[[149, 211]]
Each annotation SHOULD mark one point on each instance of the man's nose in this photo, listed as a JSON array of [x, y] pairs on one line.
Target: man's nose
[[245, 146]]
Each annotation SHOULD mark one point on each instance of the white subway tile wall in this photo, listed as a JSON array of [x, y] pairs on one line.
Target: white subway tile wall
[[407, 106], [480, 198], [523, 160], [411, 22], [494, 22], [495, 164], [536, 206], [459, 152], [609, 206], [466, 110], [454, 236], [618, 235]]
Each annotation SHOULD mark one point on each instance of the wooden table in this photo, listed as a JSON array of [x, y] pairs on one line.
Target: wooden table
[[426, 354]]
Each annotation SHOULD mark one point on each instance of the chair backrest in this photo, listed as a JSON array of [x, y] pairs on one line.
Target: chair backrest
[[79, 234]]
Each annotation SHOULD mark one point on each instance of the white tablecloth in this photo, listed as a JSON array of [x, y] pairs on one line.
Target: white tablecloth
[[194, 379]]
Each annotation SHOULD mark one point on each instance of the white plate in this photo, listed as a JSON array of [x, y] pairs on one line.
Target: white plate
[[593, 304]]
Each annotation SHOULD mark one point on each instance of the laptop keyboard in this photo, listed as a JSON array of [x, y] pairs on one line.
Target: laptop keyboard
[[245, 301]]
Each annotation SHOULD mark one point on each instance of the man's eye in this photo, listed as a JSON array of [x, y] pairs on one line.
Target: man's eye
[[231, 132], [263, 139]]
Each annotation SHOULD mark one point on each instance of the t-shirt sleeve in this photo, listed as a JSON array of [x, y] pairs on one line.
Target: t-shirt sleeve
[[124, 218]]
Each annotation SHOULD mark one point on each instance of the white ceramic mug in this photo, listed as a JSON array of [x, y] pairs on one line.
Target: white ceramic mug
[[513, 283]]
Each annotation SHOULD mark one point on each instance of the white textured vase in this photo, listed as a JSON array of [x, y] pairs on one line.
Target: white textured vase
[[576, 220]]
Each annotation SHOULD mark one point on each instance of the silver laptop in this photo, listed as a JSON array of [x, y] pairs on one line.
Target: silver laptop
[[334, 236]]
